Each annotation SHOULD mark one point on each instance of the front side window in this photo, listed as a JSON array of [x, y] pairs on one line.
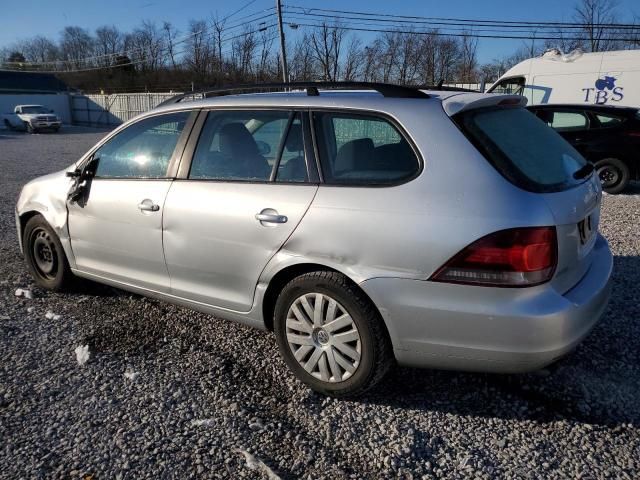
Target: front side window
[[239, 145], [510, 86], [522, 148], [362, 149], [142, 150]]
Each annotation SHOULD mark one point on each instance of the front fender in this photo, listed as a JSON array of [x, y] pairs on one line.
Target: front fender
[[47, 196]]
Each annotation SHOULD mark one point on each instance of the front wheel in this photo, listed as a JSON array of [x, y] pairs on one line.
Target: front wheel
[[331, 335], [30, 128], [614, 174], [45, 256]]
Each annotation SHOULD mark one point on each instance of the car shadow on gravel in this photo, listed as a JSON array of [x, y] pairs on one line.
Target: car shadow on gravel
[[598, 383]]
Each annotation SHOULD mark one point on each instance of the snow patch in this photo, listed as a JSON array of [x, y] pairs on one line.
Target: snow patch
[[24, 292], [131, 375], [202, 422], [254, 463], [82, 354]]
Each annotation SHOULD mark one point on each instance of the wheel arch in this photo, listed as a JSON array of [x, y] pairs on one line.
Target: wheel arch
[[23, 218], [288, 273]]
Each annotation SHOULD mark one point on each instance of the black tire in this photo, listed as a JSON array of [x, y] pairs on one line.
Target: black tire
[[30, 128], [7, 124], [44, 255], [614, 175], [376, 356]]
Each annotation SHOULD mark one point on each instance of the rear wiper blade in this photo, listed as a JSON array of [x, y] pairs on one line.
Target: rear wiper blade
[[583, 172]]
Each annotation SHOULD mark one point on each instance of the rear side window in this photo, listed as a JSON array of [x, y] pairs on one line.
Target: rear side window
[[239, 145], [522, 148], [608, 120], [362, 149], [569, 121]]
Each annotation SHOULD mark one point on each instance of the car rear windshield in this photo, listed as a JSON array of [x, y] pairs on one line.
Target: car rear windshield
[[523, 148]]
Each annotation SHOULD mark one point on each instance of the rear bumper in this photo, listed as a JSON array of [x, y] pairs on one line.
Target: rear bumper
[[437, 325]]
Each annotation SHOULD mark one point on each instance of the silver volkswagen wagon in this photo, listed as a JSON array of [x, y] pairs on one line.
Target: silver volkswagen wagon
[[364, 224]]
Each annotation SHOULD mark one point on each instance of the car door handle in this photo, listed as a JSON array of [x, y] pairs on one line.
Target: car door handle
[[148, 206], [271, 218]]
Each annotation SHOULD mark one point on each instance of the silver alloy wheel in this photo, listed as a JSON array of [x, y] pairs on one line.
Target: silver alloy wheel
[[323, 337]]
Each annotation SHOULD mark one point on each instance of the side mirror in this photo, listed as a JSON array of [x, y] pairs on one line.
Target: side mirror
[[88, 171], [81, 179]]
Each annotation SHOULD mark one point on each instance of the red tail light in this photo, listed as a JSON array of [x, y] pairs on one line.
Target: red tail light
[[518, 257], [633, 134]]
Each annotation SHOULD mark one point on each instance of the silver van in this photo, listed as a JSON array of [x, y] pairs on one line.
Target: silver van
[[364, 224]]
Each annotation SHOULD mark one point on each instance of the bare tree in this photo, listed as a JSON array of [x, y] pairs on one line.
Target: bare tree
[[109, 42], [76, 45], [302, 62], [198, 49], [592, 15], [266, 42], [371, 58], [468, 58], [326, 42], [408, 56], [148, 47], [353, 60], [40, 49], [243, 52], [170, 32]]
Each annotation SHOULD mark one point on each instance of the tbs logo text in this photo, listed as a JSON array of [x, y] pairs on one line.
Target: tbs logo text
[[605, 90]]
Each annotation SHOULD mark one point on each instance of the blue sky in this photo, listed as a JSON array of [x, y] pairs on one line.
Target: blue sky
[[25, 18]]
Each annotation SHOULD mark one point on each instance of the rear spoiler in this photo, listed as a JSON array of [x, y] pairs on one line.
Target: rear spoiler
[[468, 101]]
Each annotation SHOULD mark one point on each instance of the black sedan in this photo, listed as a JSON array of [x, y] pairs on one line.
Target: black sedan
[[608, 137]]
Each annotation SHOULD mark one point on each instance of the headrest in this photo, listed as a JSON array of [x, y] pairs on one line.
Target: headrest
[[354, 155], [236, 140]]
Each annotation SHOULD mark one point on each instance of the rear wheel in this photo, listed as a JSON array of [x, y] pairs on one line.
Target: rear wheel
[[331, 335], [8, 125], [614, 174], [45, 256]]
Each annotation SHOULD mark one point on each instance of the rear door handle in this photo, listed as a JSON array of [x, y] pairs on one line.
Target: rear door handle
[[148, 206], [271, 218]]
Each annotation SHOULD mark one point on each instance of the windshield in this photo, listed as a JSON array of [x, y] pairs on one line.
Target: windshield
[[509, 86], [523, 148], [35, 109]]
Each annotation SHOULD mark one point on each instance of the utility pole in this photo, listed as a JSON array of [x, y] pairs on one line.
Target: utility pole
[[283, 53]]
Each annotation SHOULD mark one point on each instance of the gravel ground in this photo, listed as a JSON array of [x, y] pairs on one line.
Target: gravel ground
[[213, 399]]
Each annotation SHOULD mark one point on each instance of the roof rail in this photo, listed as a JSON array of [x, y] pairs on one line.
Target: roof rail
[[386, 89], [445, 88]]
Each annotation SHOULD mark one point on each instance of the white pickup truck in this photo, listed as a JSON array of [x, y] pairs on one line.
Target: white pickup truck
[[32, 118]]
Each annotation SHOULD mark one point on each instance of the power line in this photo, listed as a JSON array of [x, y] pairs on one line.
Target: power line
[[444, 19], [444, 25], [470, 28], [440, 34]]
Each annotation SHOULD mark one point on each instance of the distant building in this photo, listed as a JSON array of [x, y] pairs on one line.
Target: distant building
[[28, 82]]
